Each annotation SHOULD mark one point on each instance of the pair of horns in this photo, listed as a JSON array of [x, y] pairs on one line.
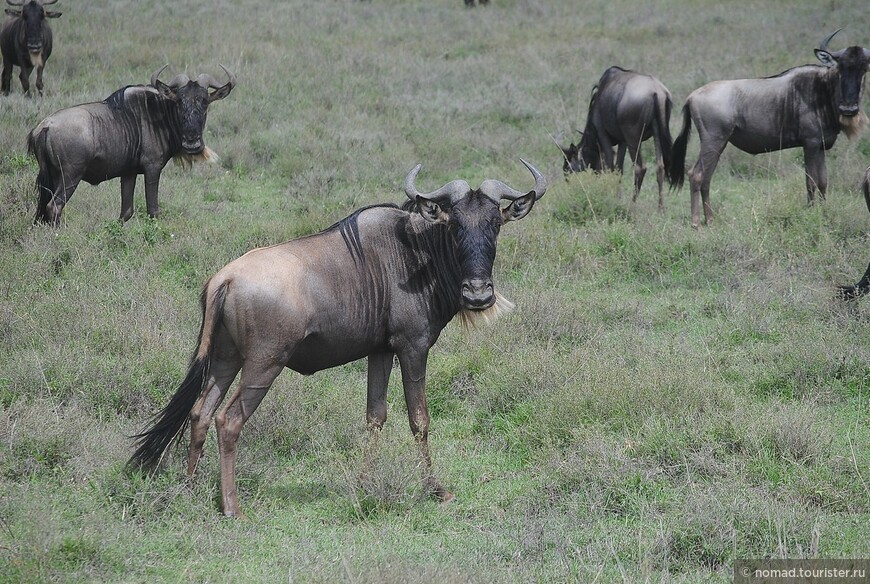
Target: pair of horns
[[494, 189], [204, 80], [21, 2], [838, 54]]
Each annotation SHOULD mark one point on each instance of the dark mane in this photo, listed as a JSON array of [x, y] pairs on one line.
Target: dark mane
[[116, 100], [349, 229], [789, 70], [122, 100]]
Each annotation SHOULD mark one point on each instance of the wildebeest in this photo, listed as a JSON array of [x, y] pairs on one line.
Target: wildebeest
[[25, 42], [804, 107], [481, 2], [381, 283], [134, 131], [626, 108]]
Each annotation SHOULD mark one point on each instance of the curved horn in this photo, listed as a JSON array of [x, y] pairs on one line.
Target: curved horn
[[497, 190], [824, 45], [451, 190], [209, 82], [155, 75], [48, 2], [13, 3]]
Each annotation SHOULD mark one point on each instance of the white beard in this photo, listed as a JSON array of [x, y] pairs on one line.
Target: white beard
[[187, 160], [475, 318], [853, 126]]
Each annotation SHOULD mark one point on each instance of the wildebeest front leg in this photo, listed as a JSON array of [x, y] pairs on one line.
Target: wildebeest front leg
[[414, 383], [39, 79], [24, 77], [380, 367], [817, 174], [128, 185], [152, 183]]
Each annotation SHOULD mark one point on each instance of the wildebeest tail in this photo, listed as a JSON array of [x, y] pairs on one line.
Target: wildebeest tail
[[44, 183], [677, 173], [169, 424], [663, 118]]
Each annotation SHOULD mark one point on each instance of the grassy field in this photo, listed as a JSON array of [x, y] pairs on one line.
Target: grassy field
[[662, 402]]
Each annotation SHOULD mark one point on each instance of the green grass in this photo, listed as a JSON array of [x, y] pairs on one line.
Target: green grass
[[662, 402]]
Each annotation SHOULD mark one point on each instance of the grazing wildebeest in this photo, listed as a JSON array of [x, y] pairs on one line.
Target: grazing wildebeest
[[626, 108], [25, 42], [804, 107], [382, 282], [481, 2], [134, 131]]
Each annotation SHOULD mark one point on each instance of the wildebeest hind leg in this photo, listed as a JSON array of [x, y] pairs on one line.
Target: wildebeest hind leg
[[62, 194], [221, 375], [6, 77], [700, 177], [639, 169], [255, 381]]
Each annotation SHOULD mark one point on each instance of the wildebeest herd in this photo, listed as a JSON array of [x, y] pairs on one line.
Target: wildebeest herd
[[385, 281]]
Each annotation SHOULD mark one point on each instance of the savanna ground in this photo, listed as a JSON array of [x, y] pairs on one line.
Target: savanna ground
[[662, 402]]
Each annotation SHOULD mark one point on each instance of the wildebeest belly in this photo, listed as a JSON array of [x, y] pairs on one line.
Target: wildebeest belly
[[754, 143], [102, 169], [316, 353]]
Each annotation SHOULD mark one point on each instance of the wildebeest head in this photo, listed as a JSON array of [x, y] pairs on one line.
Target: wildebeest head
[[192, 98], [474, 218], [585, 155], [33, 14], [851, 64]]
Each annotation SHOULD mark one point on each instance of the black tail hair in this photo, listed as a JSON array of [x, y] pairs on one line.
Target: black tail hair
[[169, 424], [664, 134], [44, 184], [677, 172]]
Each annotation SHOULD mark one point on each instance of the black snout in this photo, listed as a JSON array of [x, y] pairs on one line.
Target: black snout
[[849, 110], [191, 145], [478, 294]]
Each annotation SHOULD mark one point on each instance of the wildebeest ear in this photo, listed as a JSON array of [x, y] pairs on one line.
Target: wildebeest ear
[[165, 90], [50, 14], [220, 93], [826, 58], [518, 208], [431, 211], [12, 12]]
